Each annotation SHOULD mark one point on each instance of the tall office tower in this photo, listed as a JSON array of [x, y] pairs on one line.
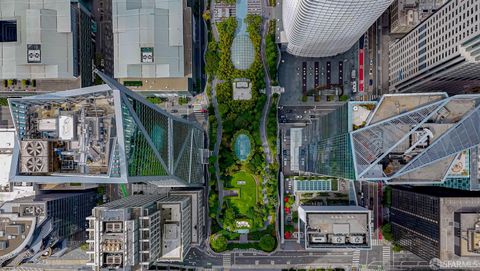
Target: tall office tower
[[44, 45], [405, 15], [31, 225], [104, 134], [102, 12], [198, 212], [437, 223], [325, 28], [136, 232], [404, 139], [152, 45], [440, 53]]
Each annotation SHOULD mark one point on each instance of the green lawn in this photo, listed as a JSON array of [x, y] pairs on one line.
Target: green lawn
[[247, 192]]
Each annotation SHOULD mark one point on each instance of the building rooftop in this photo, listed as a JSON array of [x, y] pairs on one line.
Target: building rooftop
[[335, 226], [44, 41], [103, 134], [160, 25], [442, 192]]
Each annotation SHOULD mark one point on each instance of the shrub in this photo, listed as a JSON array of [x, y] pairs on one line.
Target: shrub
[[267, 243], [218, 242]]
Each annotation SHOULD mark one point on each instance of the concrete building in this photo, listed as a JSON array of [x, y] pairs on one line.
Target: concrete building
[[44, 46], [326, 28], [335, 227], [438, 223], [403, 139], [152, 43], [406, 14], [440, 53], [31, 226], [135, 232], [104, 134]]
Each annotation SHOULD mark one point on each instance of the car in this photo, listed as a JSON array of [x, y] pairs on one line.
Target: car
[[284, 152], [312, 116], [174, 111]]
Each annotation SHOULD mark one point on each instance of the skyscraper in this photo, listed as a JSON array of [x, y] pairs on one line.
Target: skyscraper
[[325, 28], [31, 224], [440, 54], [103, 134], [436, 223], [135, 232], [404, 139]]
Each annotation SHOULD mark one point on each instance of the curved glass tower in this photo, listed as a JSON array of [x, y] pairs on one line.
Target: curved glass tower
[[320, 28]]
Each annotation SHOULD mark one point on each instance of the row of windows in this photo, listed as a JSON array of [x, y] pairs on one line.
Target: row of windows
[[449, 26]]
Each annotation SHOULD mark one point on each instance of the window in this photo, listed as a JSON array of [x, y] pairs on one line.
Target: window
[[8, 30]]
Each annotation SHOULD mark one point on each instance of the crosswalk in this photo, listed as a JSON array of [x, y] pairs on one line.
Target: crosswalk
[[227, 260], [386, 255], [356, 258], [377, 242]]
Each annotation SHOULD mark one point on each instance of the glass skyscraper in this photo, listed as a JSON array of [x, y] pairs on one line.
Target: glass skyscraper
[[103, 134], [404, 139]]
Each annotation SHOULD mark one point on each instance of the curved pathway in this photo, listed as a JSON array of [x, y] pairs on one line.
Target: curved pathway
[[268, 92], [216, 148]]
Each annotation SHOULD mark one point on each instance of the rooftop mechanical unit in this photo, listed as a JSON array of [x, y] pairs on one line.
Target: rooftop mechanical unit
[[356, 239], [338, 239], [34, 157]]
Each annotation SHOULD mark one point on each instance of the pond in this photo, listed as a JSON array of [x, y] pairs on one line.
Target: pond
[[242, 147]]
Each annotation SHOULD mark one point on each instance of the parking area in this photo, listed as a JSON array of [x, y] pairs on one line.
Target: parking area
[[299, 75]]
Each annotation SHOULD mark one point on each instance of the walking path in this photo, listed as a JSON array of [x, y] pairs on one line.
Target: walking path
[[216, 148]]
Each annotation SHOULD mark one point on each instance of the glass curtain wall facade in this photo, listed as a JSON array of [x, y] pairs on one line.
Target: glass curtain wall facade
[[404, 139], [328, 150], [415, 222]]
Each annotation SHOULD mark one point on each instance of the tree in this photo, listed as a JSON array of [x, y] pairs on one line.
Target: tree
[[387, 232], [206, 15], [218, 242], [267, 243], [229, 218]]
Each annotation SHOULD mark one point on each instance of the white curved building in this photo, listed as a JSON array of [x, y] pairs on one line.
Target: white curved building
[[319, 28]]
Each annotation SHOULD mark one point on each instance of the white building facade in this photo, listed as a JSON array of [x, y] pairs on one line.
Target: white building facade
[[441, 53], [320, 28]]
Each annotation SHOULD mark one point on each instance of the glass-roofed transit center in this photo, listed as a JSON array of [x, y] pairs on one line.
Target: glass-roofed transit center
[[103, 134], [242, 51]]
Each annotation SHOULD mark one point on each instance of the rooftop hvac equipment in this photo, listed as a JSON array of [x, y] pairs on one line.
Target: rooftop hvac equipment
[[34, 165], [356, 239], [318, 239], [114, 259], [45, 125], [66, 128], [34, 157], [34, 148], [338, 239]]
